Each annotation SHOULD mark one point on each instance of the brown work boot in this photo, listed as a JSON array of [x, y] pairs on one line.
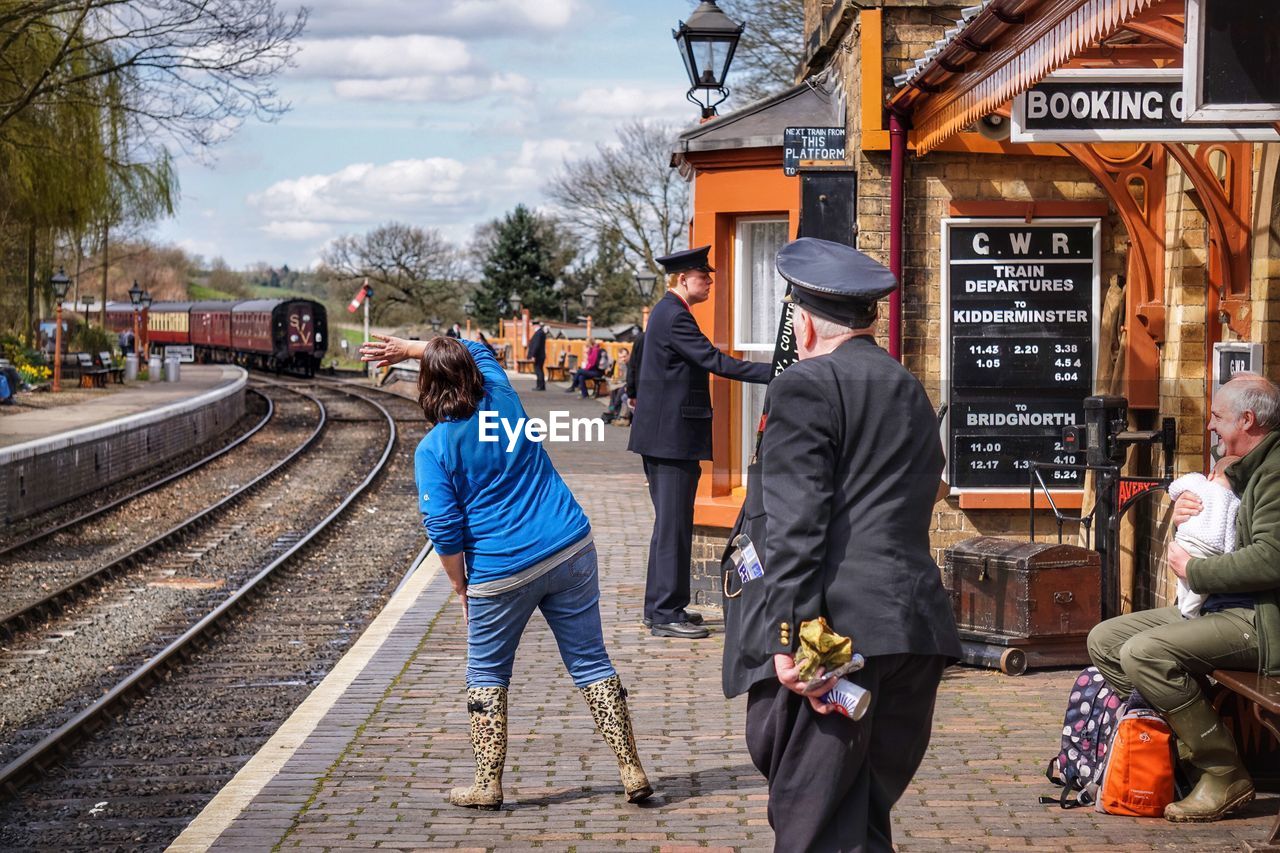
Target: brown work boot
[[488, 710], [1224, 784], [608, 703]]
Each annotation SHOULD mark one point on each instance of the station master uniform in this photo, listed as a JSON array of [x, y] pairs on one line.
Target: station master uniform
[[671, 430], [838, 506]]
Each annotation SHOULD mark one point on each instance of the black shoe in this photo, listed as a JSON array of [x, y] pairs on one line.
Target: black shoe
[[570, 390], [682, 630], [691, 617]]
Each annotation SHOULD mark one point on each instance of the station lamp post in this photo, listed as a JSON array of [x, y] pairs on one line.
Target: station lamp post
[[146, 321], [515, 302], [558, 289], [60, 283], [469, 308], [135, 299], [707, 42], [645, 281], [589, 302], [435, 324]]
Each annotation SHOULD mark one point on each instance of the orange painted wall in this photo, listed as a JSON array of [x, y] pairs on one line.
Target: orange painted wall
[[729, 185]]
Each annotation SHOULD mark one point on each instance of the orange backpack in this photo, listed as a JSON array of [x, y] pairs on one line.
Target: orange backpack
[[1139, 778]]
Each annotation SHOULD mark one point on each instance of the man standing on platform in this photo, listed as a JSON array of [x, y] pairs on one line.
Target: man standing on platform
[[838, 510], [538, 352], [671, 430]]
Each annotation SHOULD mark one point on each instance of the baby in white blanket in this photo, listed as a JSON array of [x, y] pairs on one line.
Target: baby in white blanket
[[1210, 532]]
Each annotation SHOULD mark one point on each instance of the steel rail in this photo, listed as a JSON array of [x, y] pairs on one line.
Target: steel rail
[[18, 618], [35, 760], [94, 513]]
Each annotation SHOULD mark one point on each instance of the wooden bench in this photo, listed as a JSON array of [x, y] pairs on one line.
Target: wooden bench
[[559, 371], [117, 373], [601, 388], [524, 365], [90, 376], [1263, 694]]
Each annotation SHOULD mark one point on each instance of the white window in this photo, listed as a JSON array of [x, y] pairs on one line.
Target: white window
[[757, 301], [757, 287]]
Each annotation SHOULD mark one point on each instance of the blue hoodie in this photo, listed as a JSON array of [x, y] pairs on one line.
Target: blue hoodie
[[505, 509]]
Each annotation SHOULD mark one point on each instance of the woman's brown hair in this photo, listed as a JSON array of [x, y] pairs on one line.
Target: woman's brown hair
[[450, 386]]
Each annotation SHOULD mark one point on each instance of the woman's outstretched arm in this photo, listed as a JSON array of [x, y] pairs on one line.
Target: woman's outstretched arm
[[388, 350]]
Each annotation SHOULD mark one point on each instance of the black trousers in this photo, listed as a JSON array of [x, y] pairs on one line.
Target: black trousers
[[540, 374], [832, 781], [672, 486]]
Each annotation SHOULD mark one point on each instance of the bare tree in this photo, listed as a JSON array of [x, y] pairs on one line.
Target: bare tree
[[771, 48], [192, 68], [628, 189], [411, 268]]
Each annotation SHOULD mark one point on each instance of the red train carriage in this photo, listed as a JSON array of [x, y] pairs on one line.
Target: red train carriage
[[210, 325], [280, 334], [169, 323]]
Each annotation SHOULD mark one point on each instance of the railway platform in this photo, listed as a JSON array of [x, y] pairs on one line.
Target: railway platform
[[54, 454], [366, 761]]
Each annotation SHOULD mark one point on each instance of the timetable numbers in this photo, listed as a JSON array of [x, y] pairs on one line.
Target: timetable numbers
[[1066, 377], [1026, 349], [984, 464], [1067, 362], [984, 447], [987, 363], [984, 349], [1063, 349]]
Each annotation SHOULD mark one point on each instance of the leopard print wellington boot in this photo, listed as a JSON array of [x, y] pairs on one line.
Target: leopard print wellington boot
[[488, 709], [608, 703]]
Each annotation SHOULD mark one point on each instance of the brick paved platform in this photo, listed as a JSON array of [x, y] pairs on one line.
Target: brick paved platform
[[367, 762]]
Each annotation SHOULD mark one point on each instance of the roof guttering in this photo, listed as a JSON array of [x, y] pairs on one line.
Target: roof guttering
[[999, 50]]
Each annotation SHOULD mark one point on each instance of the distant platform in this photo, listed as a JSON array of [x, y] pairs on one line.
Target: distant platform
[[49, 456]]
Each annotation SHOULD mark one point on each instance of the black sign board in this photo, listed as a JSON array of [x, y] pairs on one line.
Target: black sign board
[[1140, 105], [1020, 327], [813, 148], [1231, 60]]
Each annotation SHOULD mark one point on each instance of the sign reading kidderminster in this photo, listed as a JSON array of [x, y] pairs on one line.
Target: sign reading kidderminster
[[1020, 317]]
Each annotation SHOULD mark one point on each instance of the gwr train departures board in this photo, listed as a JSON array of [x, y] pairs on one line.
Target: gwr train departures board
[[1020, 326]]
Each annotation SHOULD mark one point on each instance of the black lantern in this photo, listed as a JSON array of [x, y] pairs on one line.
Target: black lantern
[[589, 298], [135, 294], [514, 301], [645, 281], [468, 308], [145, 299], [60, 284], [707, 42], [435, 323]]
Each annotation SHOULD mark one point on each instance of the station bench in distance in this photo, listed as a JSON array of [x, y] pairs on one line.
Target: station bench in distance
[[1263, 693]]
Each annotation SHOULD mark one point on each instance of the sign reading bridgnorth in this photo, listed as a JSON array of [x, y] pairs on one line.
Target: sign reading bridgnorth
[[1138, 105], [813, 148], [1020, 321]]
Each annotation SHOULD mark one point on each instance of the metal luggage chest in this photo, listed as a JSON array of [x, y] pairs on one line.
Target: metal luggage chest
[[1023, 604]]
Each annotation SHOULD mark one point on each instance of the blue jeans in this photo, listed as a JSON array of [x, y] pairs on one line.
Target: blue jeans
[[569, 598]]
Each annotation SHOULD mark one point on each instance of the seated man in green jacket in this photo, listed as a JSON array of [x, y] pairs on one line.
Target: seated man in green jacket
[[1164, 655]]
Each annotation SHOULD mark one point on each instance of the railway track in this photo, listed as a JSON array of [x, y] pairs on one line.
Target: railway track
[[44, 753], [203, 705], [57, 588], [48, 523]]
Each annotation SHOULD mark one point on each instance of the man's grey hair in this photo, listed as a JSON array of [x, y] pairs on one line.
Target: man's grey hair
[[827, 329], [1250, 392]]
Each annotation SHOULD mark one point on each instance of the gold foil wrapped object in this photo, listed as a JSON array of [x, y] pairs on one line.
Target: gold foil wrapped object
[[820, 647]]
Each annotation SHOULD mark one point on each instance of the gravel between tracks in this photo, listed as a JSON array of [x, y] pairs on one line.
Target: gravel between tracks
[[47, 676]]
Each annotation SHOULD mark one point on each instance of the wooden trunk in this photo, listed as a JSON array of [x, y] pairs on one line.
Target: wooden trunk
[[1039, 598]]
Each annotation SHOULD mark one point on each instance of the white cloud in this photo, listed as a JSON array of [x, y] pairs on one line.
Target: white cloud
[[472, 18], [365, 192], [297, 230], [620, 102], [381, 57], [437, 88]]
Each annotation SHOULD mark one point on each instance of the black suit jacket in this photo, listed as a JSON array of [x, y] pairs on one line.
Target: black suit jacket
[[839, 510], [537, 345], [672, 419], [633, 365]]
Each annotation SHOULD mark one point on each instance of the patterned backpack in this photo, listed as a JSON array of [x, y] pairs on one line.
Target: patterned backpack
[[1093, 710]]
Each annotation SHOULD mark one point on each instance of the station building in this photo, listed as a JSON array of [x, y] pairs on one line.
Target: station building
[[1106, 251]]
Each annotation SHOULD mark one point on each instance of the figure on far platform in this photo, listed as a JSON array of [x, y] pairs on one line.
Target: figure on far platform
[[671, 430], [538, 352]]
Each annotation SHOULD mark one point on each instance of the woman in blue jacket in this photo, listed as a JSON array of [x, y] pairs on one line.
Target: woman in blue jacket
[[512, 539]]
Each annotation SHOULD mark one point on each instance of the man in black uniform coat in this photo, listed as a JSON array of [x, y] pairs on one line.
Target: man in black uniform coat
[[838, 507], [537, 351], [671, 430]]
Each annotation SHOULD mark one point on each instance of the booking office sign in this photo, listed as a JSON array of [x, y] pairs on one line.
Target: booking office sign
[[1020, 303]]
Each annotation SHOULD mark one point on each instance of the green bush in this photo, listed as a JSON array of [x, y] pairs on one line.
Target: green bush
[[12, 348], [94, 339]]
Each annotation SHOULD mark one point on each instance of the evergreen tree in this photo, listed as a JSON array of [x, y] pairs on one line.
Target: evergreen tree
[[522, 253], [612, 276]]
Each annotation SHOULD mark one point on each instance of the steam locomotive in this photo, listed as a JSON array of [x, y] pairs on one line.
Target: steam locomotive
[[283, 335]]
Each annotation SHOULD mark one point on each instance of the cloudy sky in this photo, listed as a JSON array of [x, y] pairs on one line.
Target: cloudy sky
[[440, 113]]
